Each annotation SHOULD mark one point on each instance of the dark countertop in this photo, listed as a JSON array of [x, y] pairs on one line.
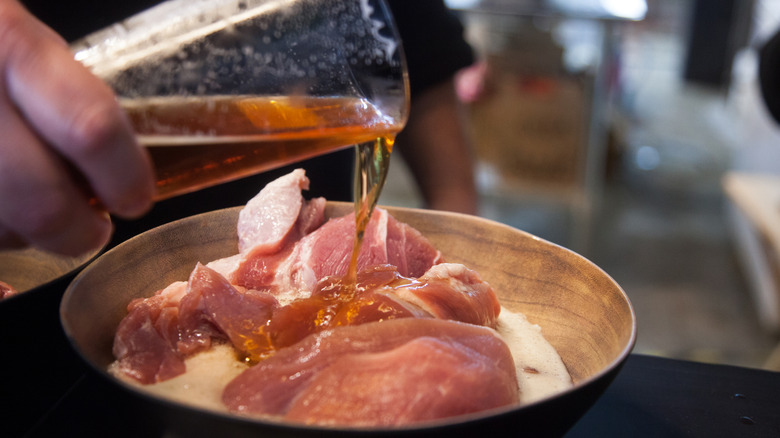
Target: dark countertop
[[659, 397]]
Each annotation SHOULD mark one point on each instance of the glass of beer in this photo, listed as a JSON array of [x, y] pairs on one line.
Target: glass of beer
[[221, 89]]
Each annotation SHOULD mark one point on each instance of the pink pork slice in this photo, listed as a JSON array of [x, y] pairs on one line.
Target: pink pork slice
[[453, 291], [327, 251], [144, 343], [269, 227], [387, 373], [159, 332], [268, 218]]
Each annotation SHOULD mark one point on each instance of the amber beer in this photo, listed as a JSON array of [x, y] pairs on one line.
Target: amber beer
[[200, 142]]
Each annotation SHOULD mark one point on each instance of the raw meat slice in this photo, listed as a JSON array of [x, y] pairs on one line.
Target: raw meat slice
[[266, 241], [327, 251], [285, 249], [213, 308], [453, 291], [268, 228], [186, 317], [267, 219], [144, 343], [422, 380], [6, 290], [335, 303], [393, 358], [382, 293]]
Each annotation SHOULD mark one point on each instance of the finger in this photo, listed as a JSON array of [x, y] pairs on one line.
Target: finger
[[77, 115], [40, 203]]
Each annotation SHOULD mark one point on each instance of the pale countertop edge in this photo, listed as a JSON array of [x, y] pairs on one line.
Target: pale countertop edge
[[758, 196]]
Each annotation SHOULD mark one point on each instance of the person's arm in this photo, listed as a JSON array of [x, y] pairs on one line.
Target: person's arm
[[436, 147], [61, 130]]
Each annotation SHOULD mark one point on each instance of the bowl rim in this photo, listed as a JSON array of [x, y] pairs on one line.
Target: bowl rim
[[84, 260]]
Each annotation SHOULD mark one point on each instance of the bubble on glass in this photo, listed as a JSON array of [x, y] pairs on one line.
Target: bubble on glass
[[247, 46]]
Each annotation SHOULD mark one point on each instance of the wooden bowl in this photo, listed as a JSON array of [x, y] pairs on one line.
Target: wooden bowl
[[582, 312]]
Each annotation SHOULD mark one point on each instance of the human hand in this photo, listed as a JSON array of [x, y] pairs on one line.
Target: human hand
[[64, 140]]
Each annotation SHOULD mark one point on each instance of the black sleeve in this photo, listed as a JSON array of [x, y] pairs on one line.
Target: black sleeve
[[433, 40], [73, 19], [432, 35], [769, 75]]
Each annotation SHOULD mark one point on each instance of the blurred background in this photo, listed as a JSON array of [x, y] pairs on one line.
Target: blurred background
[[633, 132]]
